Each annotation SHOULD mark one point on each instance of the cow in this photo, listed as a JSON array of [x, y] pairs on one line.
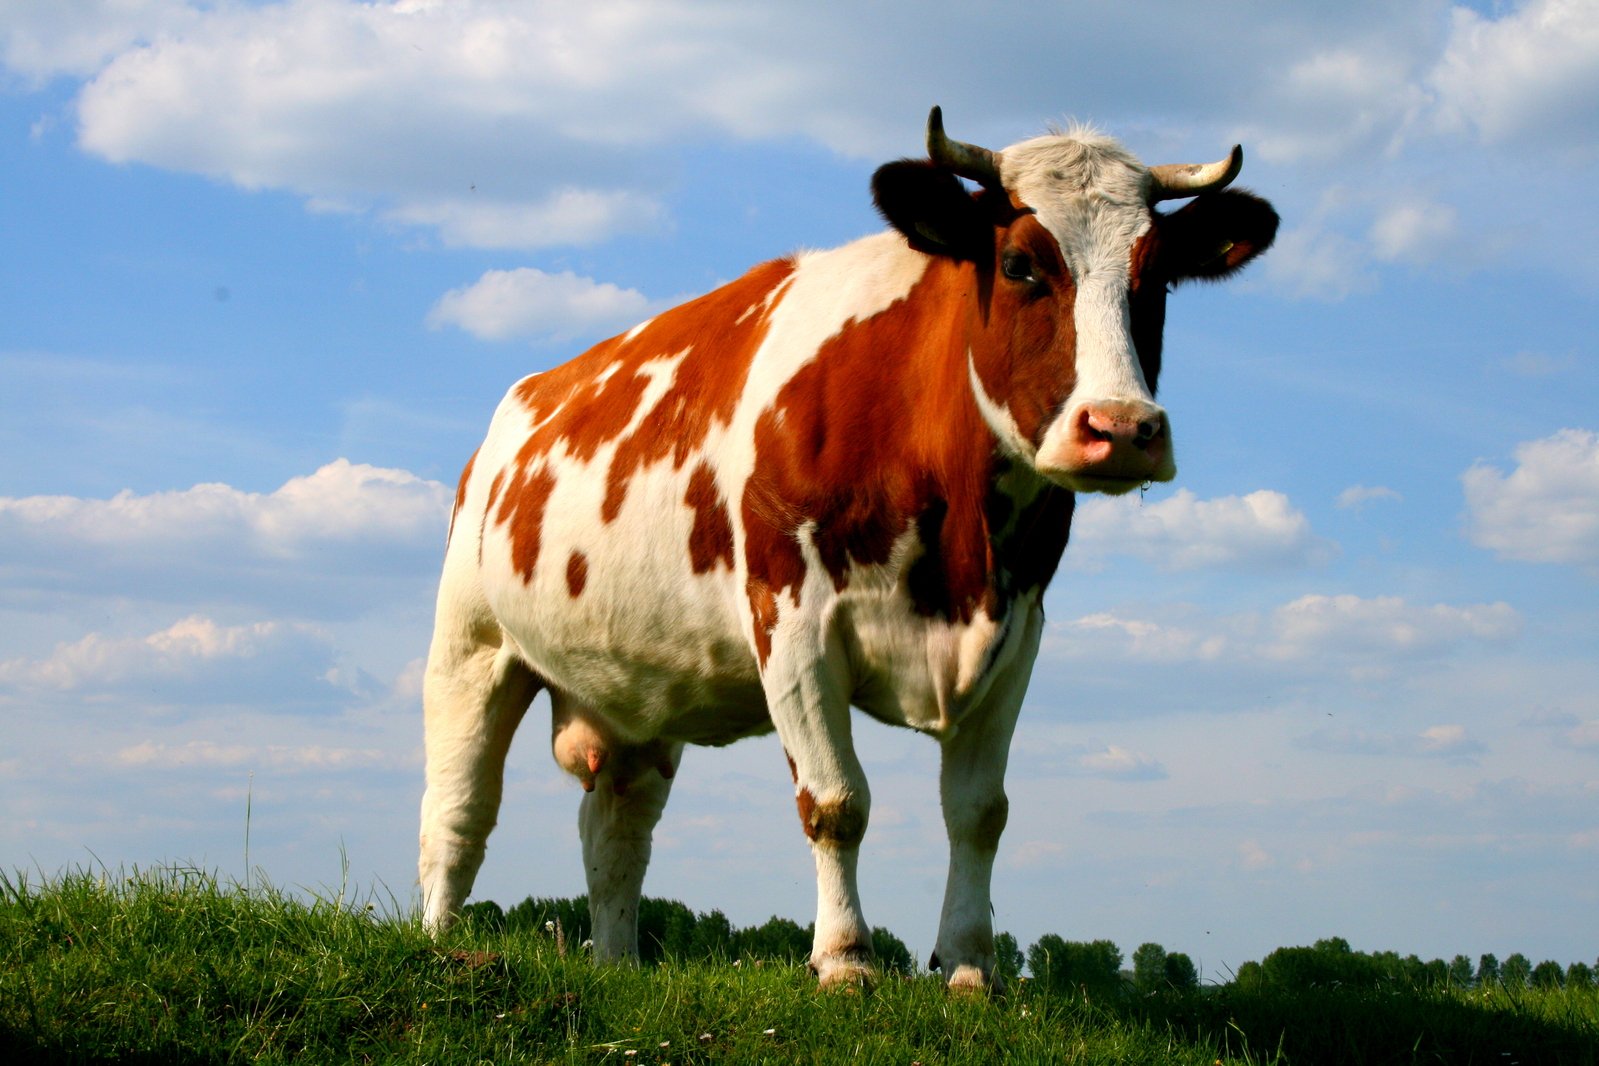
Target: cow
[[842, 480]]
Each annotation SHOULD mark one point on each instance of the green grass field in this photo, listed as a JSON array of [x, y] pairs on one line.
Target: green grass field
[[173, 966]]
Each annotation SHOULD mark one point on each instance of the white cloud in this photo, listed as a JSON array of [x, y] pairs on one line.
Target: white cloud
[[1356, 497], [524, 126], [526, 302], [1252, 856], [1371, 635], [1451, 742], [1585, 734], [1414, 231], [1363, 638], [1315, 261], [565, 216], [46, 38], [304, 543], [193, 661], [1120, 764], [1547, 509], [340, 501], [1183, 532], [1096, 635], [1531, 75], [1337, 100], [208, 753], [1539, 364]]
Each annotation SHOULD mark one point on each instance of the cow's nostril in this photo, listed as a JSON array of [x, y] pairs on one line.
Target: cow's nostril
[[1147, 432]]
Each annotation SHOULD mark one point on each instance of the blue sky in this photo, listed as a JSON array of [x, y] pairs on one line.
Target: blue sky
[[268, 268]]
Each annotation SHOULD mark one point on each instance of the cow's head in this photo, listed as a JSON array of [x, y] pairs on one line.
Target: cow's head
[[1067, 266]]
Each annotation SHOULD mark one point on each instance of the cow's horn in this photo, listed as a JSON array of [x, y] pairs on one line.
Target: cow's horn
[[1172, 181], [967, 160]]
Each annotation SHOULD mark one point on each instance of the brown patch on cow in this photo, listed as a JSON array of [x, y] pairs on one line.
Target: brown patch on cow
[[591, 401], [522, 510], [840, 823], [488, 508], [763, 617], [494, 489], [460, 494], [577, 573], [720, 333], [1024, 352], [710, 541], [880, 435]]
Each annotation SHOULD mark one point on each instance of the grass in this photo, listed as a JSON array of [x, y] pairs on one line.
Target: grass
[[173, 966]]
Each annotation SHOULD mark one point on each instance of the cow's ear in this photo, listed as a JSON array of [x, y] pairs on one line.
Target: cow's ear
[[1215, 234], [934, 211]]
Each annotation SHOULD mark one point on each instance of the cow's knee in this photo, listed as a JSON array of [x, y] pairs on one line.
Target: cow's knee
[[839, 822], [981, 825]]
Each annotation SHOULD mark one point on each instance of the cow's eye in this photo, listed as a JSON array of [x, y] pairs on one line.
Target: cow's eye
[[1018, 267]]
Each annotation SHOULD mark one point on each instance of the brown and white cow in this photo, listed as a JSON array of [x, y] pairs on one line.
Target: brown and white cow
[[843, 479]]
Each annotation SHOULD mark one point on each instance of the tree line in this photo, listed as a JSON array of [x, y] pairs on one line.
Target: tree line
[[669, 929], [1331, 963]]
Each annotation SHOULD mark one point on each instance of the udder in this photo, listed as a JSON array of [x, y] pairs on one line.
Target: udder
[[588, 750]]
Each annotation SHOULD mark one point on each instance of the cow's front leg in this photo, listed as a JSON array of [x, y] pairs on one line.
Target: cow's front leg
[[617, 822], [808, 695], [972, 787]]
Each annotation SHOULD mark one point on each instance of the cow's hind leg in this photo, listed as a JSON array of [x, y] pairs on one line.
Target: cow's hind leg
[[617, 822], [475, 692], [972, 786]]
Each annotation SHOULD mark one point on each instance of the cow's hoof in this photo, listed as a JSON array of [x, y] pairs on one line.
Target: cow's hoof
[[844, 973], [970, 981]]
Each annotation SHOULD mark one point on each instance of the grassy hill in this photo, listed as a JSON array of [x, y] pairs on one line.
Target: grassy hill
[[173, 966]]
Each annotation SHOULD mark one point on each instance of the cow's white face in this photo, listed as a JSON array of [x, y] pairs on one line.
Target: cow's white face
[[1070, 266], [1109, 434]]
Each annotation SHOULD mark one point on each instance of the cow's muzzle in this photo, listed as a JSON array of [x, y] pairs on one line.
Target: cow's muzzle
[[1108, 446]]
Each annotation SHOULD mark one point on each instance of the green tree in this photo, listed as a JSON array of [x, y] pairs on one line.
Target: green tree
[[1046, 959], [544, 915], [1181, 973], [1516, 971], [1488, 969], [484, 916], [892, 954], [1460, 971], [1008, 958], [1149, 968], [1548, 974], [1579, 975], [665, 929], [1069, 966], [776, 938], [712, 937]]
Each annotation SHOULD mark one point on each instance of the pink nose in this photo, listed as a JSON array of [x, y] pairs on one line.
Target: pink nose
[[1122, 440]]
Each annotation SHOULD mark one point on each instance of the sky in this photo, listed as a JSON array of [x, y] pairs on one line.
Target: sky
[[268, 267]]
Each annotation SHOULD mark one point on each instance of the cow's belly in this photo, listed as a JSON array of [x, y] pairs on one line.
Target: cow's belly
[[616, 620]]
